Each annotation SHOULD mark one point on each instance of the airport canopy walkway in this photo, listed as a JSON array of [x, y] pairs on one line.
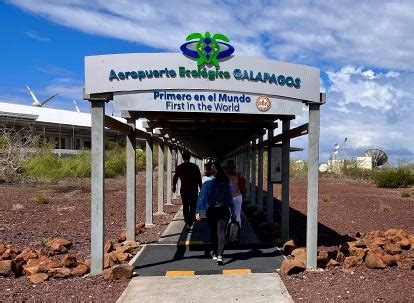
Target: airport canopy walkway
[[229, 110]]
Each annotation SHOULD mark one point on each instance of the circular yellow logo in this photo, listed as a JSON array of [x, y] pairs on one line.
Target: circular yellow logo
[[263, 103]]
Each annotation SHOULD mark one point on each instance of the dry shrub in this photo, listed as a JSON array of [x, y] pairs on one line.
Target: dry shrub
[[384, 207], [16, 145], [42, 199]]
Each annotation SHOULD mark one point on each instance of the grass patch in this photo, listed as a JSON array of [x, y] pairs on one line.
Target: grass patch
[[384, 208], [326, 199], [45, 240], [42, 199], [44, 166], [393, 177], [48, 167]]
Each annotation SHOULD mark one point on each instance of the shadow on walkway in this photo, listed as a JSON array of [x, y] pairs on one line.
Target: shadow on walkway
[[297, 226], [180, 250]]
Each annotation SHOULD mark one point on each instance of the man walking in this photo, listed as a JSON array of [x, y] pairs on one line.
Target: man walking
[[190, 177]]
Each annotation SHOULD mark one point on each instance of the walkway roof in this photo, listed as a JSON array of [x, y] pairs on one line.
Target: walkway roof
[[210, 135]]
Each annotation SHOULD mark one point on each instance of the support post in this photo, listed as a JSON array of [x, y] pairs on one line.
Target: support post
[[175, 157], [148, 182], [169, 175], [253, 183], [313, 184], [243, 161], [160, 201], [131, 182], [285, 181], [248, 154], [260, 175], [180, 160], [239, 160], [97, 187], [269, 208]]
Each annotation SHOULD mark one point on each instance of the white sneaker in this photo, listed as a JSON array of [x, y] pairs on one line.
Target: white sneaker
[[220, 260], [214, 256]]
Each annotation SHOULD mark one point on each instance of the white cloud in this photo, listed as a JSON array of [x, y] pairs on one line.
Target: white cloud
[[372, 109], [369, 33], [35, 36], [365, 46], [365, 87], [65, 87]]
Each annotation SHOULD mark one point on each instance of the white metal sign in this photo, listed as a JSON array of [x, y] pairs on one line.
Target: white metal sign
[[149, 72], [276, 164], [218, 102]]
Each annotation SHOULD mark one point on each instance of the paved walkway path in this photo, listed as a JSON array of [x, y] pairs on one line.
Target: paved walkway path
[[178, 268]]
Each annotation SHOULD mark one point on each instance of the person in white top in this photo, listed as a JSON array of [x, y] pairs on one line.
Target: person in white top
[[208, 174], [238, 185]]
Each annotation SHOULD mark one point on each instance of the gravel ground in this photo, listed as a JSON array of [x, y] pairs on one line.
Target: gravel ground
[[26, 223], [346, 207]]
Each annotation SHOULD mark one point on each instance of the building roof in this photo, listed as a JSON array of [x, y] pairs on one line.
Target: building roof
[[50, 115]]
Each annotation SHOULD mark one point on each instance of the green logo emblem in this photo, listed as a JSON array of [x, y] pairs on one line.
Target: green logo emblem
[[208, 49]]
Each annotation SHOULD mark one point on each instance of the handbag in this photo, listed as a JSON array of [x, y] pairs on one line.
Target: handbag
[[233, 233], [242, 184]]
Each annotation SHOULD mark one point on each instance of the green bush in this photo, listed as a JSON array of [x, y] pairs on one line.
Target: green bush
[[44, 166], [357, 173], [115, 163], [78, 166], [298, 168], [401, 176], [48, 167], [140, 159]]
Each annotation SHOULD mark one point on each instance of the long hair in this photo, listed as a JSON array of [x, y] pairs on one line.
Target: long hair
[[220, 173]]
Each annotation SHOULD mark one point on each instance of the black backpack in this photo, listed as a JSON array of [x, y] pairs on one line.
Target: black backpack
[[233, 233], [218, 196]]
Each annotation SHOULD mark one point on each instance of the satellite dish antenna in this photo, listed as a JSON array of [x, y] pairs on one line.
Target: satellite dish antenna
[[335, 152], [36, 101], [378, 157], [323, 167], [76, 105], [336, 147]]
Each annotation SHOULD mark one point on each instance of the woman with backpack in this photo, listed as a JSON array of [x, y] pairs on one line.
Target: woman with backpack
[[216, 198]]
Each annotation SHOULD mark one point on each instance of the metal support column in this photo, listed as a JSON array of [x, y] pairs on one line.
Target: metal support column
[[97, 186], [313, 183], [169, 175], [260, 175], [243, 161], [248, 171], [160, 201], [253, 182], [239, 160], [285, 181], [130, 182], [175, 158], [269, 208], [179, 161], [148, 182]]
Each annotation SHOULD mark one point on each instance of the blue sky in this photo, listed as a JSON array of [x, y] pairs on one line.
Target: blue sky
[[364, 49]]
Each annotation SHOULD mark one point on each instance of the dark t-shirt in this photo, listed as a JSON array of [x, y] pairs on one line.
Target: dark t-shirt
[[190, 177]]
